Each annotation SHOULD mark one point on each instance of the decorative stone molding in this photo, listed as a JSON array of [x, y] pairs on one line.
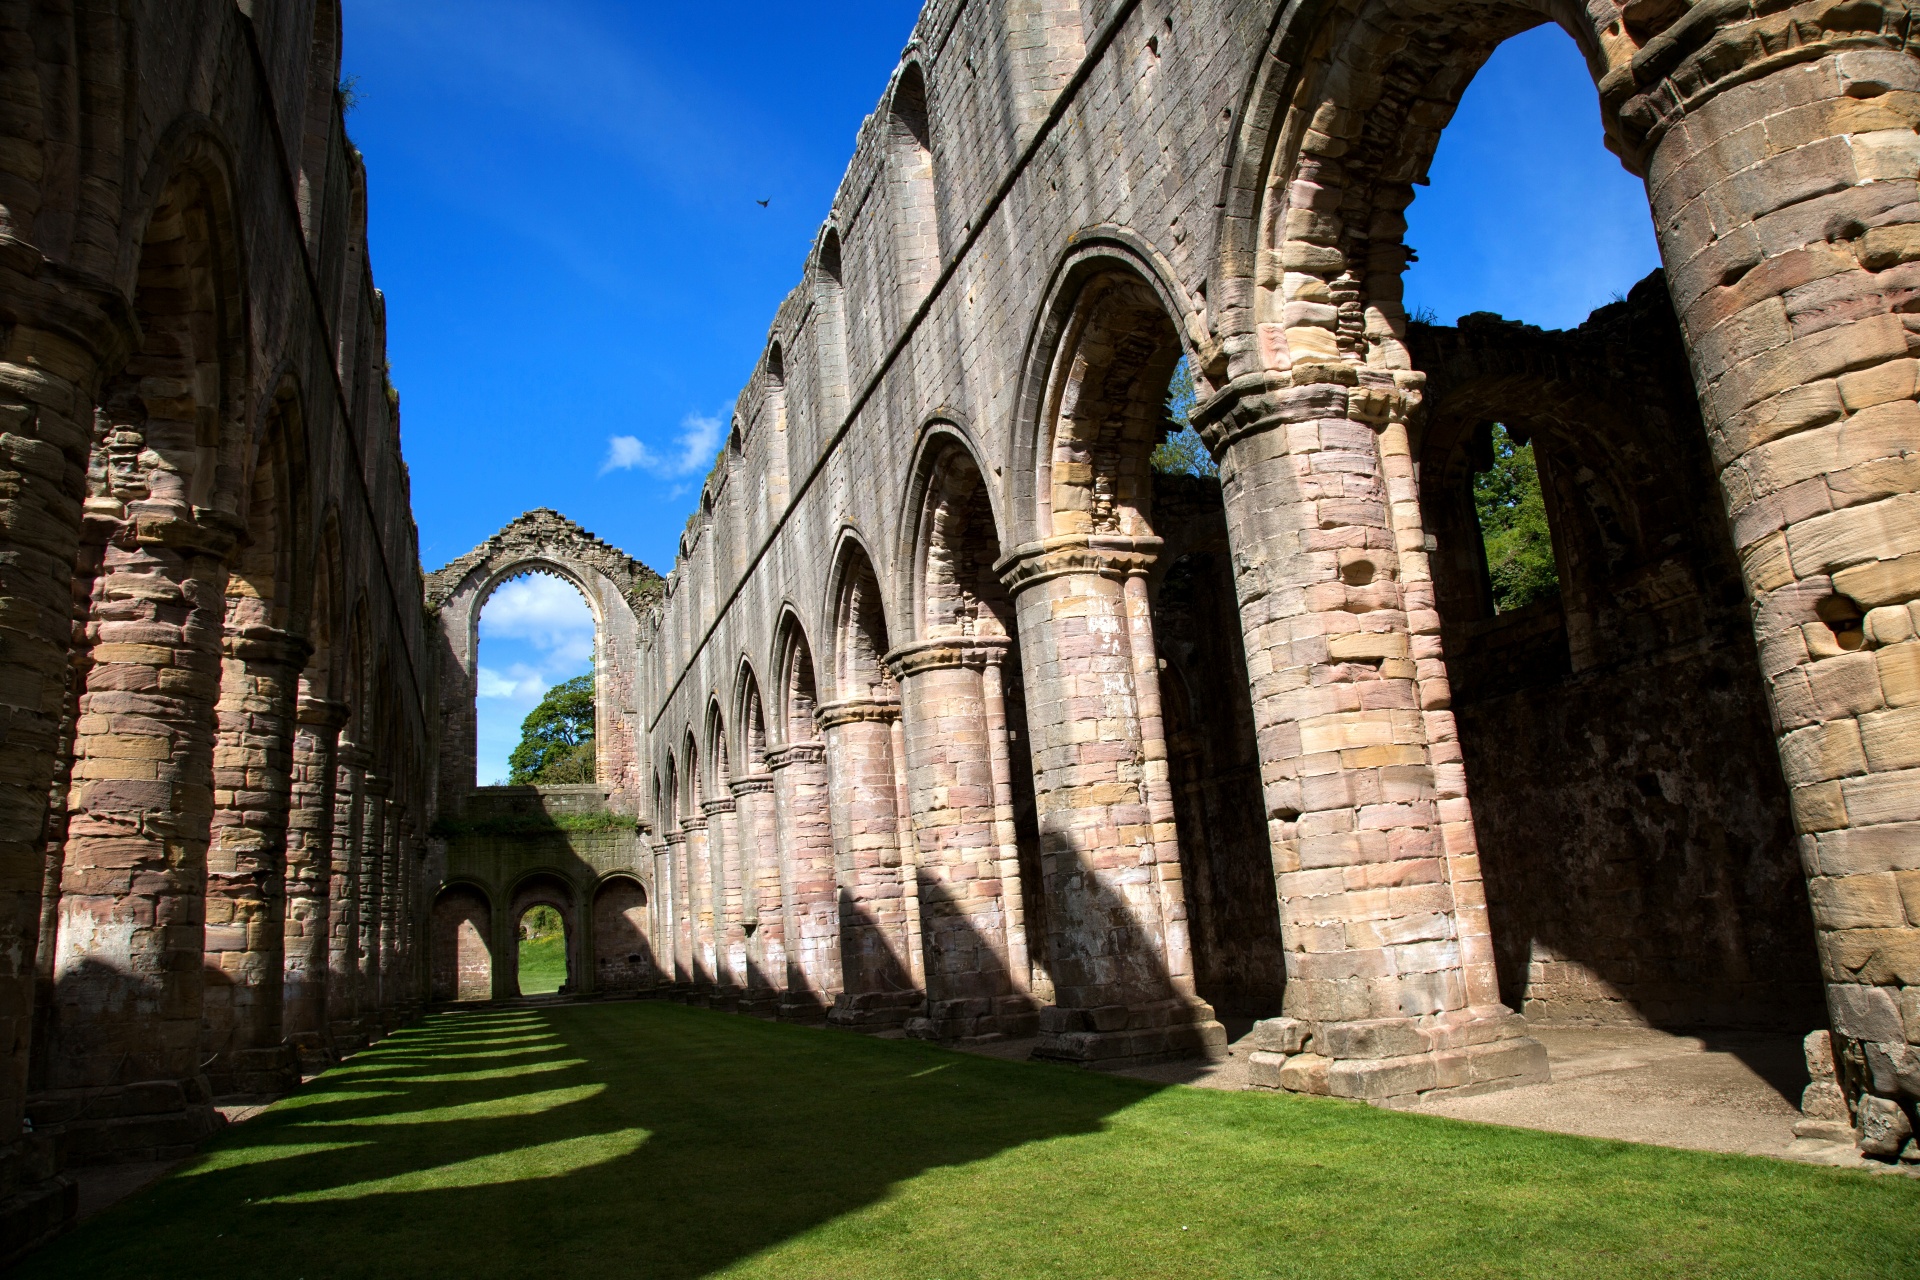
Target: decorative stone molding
[[976, 652], [1109, 555], [833, 714]]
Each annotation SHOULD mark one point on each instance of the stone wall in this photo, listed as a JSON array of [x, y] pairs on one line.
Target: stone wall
[[937, 491], [217, 689]]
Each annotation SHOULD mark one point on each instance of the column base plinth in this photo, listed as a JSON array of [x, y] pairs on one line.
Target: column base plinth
[[1396, 1062], [980, 1018], [1114, 1036], [803, 1007], [37, 1201], [876, 1010], [121, 1124], [254, 1075]]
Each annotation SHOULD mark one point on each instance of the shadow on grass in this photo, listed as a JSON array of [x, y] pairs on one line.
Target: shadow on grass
[[646, 1139]]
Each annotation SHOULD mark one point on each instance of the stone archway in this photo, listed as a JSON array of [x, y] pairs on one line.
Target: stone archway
[[618, 589]]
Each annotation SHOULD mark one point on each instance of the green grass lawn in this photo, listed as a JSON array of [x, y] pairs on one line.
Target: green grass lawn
[[649, 1139], [543, 964]]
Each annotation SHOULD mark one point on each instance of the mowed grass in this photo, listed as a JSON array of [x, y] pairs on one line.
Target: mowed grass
[[649, 1139], [543, 965]]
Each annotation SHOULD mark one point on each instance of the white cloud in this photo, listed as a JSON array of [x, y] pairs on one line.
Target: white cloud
[[520, 683], [692, 449], [544, 611]]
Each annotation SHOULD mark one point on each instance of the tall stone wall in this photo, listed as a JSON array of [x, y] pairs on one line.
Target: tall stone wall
[[217, 688], [1051, 205]]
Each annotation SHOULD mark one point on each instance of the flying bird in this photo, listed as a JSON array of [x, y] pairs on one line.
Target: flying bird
[[763, 203]]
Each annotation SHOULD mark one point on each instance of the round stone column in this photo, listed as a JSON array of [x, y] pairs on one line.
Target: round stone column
[[763, 897], [343, 899], [729, 931], [702, 907], [377, 791], [58, 332], [1391, 987], [803, 828], [309, 879], [1784, 197], [680, 907], [966, 859], [1110, 861], [876, 937], [246, 863]]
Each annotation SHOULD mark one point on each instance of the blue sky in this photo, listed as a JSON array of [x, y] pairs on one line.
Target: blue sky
[[562, 209]]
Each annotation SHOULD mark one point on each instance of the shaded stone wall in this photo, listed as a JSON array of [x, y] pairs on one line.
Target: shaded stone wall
[[1634, 826], [211, 553], [1227, 182]]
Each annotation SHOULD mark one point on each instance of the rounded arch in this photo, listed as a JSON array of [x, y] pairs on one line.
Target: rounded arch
[[858, 624], [1100, 264], [826, 257], [797, 694], [462, 942], [544, 886], [623, 954], [950, 541]]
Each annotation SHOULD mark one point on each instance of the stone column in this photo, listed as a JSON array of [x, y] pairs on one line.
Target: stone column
[[1784, 197], [58, 331], [128, 982], [723, 885], [682, 906], [876, 941], [1123, 970], [1390, 976], [701, 907], [967, 864], [803, 829], [373, 859], [395, 883], [310, 825], [246, 864], [761, 914], [343, 900]]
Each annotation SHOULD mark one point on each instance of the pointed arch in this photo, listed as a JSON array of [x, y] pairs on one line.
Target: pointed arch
[[859, 625], [798, 692], [913, 193]]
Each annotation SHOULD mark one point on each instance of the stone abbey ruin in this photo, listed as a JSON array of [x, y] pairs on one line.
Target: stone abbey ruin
[[955, 717]]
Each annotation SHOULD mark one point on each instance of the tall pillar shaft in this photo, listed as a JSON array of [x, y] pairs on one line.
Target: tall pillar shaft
[[343, 899], [57, 333], [761, 914], [803, 827], [702, 910], [1123, 970], [682, 906], [309, 877], [1785, 207], [1383, 915], [967, 884], [377, 792], [246, 863], [876, 934], [729, 931]]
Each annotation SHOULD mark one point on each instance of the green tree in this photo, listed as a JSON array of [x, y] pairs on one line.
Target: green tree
[[556, 738], [1513, 526], [1182, 453]]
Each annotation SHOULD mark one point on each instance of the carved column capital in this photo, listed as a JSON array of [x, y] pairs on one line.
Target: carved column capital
[[953, 651], [323, 715], [712, 807], [793, 753], [1262, 401], [1106, 555], [755, 784], [852, 710], [267, 647]]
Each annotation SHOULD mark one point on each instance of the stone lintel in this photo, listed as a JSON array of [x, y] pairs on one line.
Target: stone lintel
[[1108, 555], [977, 652]]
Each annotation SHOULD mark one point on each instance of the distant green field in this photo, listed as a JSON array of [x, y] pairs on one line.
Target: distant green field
[[653, 1139], [543, 965]]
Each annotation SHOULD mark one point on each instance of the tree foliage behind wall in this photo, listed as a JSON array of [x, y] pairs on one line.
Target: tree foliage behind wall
[[1182, 453], [556, 738], [1513, 526]]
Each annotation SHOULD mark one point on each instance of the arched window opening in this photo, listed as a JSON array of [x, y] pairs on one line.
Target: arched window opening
[[1581, 572], [832, 359], [916, 226], [542, 939], [462, 944], [317, 120], [534, 684], [777, 482]]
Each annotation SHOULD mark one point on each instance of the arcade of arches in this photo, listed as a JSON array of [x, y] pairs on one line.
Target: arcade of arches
[[954, 715]]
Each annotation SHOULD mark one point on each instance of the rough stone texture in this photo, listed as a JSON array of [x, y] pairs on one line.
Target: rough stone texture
[[204, 513], [1213, 181]]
